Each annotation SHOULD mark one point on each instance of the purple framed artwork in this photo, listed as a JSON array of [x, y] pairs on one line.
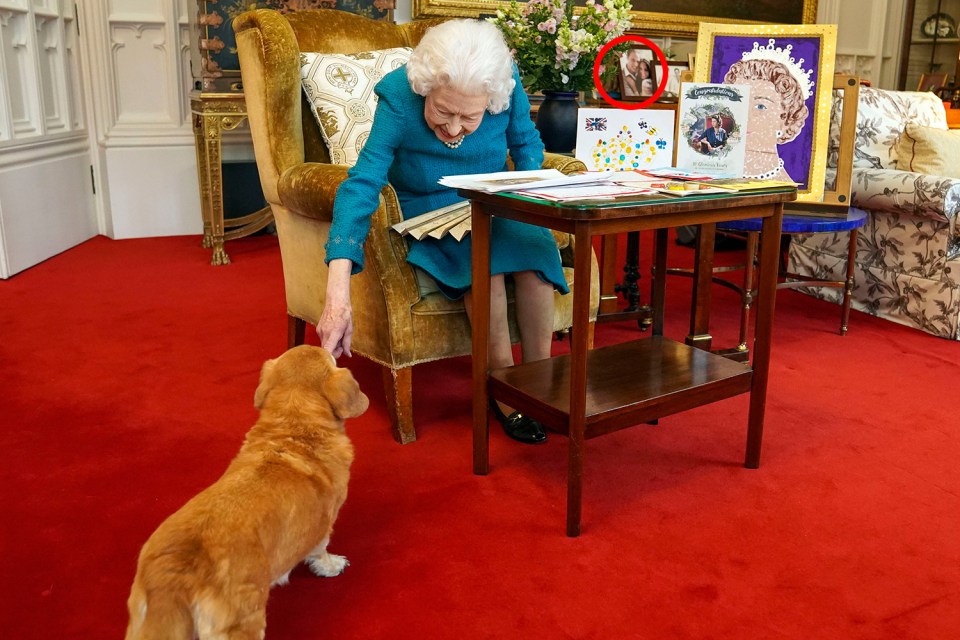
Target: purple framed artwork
[[789, 69]]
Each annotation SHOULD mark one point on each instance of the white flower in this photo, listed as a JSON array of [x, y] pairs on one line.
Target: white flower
[[542, 28]]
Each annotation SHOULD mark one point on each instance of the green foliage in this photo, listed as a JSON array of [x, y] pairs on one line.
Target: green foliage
[[555, 48]]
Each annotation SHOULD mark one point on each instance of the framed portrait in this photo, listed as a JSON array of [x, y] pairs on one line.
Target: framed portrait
[[652, 17], [789, 69], [675, 70], [932, 81], [638, 73], [215, 63]]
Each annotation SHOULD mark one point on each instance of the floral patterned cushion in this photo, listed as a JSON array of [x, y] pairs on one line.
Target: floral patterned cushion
[[881, 118], [339, 87]]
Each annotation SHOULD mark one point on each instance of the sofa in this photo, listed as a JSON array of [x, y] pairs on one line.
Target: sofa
[[907, 265]]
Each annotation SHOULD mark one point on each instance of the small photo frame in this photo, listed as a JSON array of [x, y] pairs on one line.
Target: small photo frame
[[638, 74], [932, 81], [675, 70]]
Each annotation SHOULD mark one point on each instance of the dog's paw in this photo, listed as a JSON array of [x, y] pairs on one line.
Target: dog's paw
[[282, 580], [328, 565]]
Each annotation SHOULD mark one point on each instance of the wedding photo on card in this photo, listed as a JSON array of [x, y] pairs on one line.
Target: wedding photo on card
[[623, 140], [713, 124]]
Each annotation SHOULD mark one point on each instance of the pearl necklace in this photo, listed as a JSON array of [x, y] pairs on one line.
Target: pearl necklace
[[768, 174], [456, 143]]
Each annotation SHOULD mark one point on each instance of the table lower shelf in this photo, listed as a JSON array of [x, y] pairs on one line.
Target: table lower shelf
[[627, 384]]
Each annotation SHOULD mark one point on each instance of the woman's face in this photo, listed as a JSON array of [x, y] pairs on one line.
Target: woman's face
[[766, 116], [451, 114], [644, 69]]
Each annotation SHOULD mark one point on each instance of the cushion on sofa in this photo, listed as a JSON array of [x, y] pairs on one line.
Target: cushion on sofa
[[339, 88], [935, 152], [881, 118]]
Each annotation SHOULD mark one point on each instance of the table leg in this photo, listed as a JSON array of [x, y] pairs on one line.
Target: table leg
[[609, 288], [480, 241], [211, 184], [746, 294], [578, 378], [608, 274], [631, 273], [848, 287], [766, 301], [699, 335], [200, 138], [659, 291]]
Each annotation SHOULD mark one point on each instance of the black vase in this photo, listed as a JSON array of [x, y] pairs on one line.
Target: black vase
[[557, 120]]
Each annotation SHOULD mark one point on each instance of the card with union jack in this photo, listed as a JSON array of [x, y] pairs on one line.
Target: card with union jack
[[623, 140]]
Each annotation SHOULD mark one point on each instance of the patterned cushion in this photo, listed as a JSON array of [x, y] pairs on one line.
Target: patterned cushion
[[340, 89], [881, 118], [934, 152]]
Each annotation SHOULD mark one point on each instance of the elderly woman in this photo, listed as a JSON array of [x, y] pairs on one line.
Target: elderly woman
[[777, 114], [457, 107]]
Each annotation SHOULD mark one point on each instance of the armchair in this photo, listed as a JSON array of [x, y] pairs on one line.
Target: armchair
[[393, 325], [907, 266]]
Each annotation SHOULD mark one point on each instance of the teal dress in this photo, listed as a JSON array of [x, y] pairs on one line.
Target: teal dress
[[403, 151]]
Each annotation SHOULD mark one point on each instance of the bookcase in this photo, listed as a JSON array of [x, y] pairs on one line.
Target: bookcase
[[930, 44]]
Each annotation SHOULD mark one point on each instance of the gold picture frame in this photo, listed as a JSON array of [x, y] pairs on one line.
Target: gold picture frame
[[802, 132], [678, 18]]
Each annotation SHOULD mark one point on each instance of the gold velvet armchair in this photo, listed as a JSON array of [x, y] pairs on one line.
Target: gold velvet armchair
[[393, 325]]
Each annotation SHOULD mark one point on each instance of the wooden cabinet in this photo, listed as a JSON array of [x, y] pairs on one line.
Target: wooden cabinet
[[930, 44]]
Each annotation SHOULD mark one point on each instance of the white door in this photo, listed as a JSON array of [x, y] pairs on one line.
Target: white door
[[46, 187]]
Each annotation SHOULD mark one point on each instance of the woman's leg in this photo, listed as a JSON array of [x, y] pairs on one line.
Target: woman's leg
[[500, 352], [534, 303]]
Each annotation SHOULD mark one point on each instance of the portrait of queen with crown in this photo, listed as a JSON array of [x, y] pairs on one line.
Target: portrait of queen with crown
[[789, 69]]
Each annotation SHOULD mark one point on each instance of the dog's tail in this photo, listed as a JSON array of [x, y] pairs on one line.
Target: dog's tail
[[161, 617]]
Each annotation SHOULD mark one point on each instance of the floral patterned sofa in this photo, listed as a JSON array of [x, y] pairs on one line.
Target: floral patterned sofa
[[908, 254]]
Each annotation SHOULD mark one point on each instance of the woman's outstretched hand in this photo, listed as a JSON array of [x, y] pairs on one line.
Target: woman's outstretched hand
[[335, 328]]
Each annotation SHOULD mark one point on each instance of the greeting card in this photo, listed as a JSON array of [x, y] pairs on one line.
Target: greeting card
[[623, 140], [712, 129]]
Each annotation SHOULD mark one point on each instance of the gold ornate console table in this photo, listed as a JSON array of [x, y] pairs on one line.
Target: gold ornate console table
[[214, 113]]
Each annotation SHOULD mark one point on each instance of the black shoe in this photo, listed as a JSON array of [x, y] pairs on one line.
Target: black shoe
[[519, 427]]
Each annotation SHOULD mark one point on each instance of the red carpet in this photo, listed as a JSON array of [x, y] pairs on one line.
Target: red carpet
[[128, 376]]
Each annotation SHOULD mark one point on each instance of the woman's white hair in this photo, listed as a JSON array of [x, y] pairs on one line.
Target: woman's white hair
[[468, 56]]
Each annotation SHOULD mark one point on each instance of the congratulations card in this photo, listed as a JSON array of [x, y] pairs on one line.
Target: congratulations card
[[713, 125]]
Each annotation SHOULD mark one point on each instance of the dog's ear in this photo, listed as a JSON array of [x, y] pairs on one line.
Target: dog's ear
[[266, 383], [344, 394]]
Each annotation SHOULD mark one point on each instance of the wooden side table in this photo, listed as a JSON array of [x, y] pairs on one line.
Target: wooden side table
[[590, 393], [214, 113]]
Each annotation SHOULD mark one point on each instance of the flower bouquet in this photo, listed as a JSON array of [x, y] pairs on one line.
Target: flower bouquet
[[554, 47]]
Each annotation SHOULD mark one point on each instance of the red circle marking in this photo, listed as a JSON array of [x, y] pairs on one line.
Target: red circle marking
[[619, 103]]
